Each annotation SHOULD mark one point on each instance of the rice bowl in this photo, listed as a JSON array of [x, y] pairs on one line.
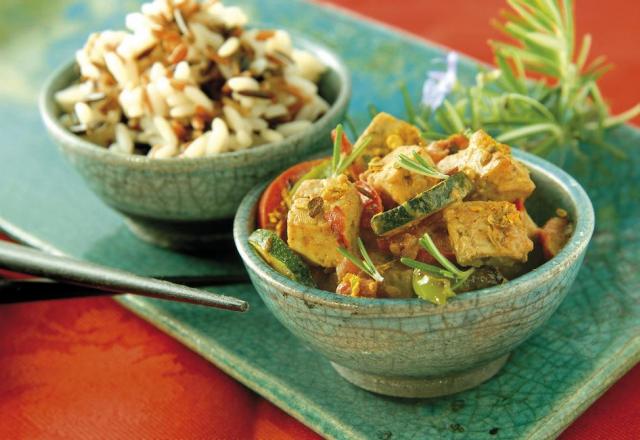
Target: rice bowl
[[179, 202]]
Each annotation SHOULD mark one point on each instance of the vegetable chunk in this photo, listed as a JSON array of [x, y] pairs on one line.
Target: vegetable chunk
[[325, 214], [386, 134], [554, 235], [396, 185], [428, 202], [491, 233], [495, 173]]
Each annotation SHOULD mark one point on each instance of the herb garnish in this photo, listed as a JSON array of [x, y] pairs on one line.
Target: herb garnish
[[418, 165], [450, 270], [339, 161], [365, 265], [557, 113]]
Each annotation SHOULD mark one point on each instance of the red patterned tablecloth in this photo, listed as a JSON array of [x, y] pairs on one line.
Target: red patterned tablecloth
[[86, 368]]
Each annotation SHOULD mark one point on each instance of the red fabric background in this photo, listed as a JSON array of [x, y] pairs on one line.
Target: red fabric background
[[87, 368]]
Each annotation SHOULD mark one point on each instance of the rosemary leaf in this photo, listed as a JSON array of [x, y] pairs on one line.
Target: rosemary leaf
[[429, 268], [454, 118], [408, 104], [365, 265], [420, 166], [532, 103], [584, 51], [533, 21], [623, 117], [427, 243], [337, 147], [529, 130], [374, 272]]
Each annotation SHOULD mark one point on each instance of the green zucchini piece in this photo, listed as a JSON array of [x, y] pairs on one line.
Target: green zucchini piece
[[275, 252], [481, 278], [451, 190]]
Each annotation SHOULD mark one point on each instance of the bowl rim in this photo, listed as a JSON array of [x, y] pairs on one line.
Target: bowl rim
[[570, 253], [48, 110]]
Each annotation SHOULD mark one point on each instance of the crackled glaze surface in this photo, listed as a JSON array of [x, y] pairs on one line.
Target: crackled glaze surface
[[588, 343], [399, 340]]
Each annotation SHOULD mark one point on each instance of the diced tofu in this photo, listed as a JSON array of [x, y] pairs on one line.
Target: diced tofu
[[495, 173], [324, 215], [386, 134], [491, 233], [396, 185]]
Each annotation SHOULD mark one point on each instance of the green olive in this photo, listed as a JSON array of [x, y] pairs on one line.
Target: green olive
[[431, 288]]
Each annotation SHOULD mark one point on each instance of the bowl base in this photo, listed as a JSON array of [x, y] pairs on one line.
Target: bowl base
[[421, 387], [183, 236]]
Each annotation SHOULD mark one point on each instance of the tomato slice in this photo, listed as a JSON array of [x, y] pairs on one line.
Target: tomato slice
[[338, 223], [371, 203], [519, 204], [272, 208]]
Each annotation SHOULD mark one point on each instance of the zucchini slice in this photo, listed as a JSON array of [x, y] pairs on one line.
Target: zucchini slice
[[275, 252], [451, 190]]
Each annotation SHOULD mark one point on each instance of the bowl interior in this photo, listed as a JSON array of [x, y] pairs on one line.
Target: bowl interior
[[554, 189]]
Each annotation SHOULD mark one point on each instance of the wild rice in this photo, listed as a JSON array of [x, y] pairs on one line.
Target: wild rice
[[187, 79]]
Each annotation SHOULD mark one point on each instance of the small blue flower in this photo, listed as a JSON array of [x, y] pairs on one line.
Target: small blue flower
[[439, 84]]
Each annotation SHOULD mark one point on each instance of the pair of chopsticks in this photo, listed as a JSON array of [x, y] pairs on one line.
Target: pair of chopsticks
[[74, 278]]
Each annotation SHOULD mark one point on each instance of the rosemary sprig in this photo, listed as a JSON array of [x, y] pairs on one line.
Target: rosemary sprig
[[365, 265], [425, 267], [557, 113], [418, 165], [450, 270], [340, 162]]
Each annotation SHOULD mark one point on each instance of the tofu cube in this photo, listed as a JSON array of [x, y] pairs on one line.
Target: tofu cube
[[396, 185], [324, 215], [487, 233], [495, 173], [387, 133]]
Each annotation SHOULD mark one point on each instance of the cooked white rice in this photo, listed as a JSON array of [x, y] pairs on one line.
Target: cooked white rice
[[187, 79]]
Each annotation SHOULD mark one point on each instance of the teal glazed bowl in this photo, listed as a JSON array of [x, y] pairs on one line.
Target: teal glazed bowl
[[182, 202], [410, 347]]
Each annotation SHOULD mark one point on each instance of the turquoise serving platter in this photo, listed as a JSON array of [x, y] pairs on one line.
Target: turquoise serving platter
[[591, 340]]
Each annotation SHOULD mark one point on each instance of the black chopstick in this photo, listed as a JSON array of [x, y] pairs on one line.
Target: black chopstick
[[20, 291], [30, 261]]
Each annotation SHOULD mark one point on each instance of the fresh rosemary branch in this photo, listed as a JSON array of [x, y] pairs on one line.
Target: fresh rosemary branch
[[559, 112], [365, 265], [417, 164]]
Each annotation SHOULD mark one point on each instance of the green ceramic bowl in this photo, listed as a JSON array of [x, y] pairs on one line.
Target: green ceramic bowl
[[182, 202], [412, 348]]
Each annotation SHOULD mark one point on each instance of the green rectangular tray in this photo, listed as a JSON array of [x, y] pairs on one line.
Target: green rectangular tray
[[591, 341]]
